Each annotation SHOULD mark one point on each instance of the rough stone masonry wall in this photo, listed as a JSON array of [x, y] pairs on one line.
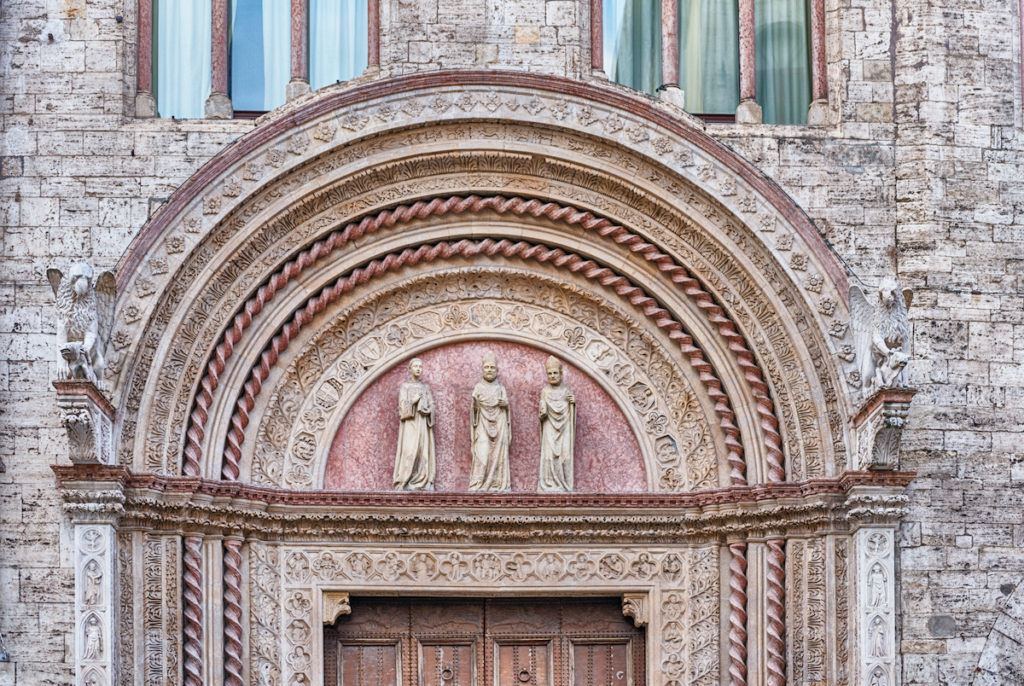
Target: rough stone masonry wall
[[922, 173], [960, 244]]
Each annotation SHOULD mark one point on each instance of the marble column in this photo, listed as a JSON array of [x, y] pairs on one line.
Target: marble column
[[299, 83], [748, 111], [218, 105], [145, 103], [817, 114]]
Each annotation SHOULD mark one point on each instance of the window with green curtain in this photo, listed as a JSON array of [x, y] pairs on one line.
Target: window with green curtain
[[337, 40], [260, 46], [632, 43], [783, 60], [181, 53], [709, 55]]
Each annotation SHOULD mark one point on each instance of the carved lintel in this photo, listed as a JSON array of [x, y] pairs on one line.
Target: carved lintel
[[335, 604], [636, 606], [879, 427], [87, 416]]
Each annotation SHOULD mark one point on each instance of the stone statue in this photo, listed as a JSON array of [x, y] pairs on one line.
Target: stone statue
[[414, 463], [85, 308], [557, 431], [881, 333], [490, 431]]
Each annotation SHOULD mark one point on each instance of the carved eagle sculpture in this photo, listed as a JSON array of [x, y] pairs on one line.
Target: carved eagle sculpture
[[85, 309], [881, 333]]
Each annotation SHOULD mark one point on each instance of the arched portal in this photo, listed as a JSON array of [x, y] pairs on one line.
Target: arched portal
[[702, 318]]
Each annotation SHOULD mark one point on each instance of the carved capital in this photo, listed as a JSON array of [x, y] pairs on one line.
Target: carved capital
[[334, 604], [636, 606], [87, 416]]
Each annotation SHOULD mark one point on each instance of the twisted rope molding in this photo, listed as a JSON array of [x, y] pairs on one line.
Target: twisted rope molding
[[776, 625], [501, 205], [233, 612], [470, 248], [738, 614], [193, 611]]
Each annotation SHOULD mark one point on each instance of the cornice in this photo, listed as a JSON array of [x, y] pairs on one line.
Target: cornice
[[793, 508]]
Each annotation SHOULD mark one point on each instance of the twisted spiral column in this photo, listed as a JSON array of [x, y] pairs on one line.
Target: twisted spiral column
[[458, 205], [776, 625], [193, 610], [233, 611], [738, 614], [471, 248]]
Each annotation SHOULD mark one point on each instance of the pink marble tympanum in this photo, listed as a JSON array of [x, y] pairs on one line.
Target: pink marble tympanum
[[363, 452]]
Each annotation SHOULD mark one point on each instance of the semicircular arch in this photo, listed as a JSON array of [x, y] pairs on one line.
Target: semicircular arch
[[250, 232]]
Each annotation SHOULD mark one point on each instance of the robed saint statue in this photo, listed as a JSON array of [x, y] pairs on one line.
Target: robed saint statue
[[490, 431], [557, 431], [414, 463]]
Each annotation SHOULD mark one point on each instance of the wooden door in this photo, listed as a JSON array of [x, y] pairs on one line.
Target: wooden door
[[477, 642]]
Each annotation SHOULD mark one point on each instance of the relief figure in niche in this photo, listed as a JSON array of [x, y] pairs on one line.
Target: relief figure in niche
[[93, 578], [414, 462], [93, 649], [490, 431], [876, 586], [557, 431]]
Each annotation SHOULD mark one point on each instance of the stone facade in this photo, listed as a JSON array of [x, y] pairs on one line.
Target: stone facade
[[918, 174]]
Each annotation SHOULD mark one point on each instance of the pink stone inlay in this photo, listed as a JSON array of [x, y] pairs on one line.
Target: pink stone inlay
[[362, 454]]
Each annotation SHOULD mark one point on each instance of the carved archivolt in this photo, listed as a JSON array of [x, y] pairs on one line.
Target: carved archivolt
[[427, 307], [426, 253], [251, 232]]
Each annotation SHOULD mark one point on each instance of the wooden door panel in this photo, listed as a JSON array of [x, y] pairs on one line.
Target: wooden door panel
[[447, 664], [601, 664], [476, 642], [446, 616], [523, 664], [595, 617], [519, 618], [368, 664]]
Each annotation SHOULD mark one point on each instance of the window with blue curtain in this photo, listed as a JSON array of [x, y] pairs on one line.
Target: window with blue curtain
[[181, 53], [782, 35], [709, 53], [337, 40], [260, 47], [632, 43]]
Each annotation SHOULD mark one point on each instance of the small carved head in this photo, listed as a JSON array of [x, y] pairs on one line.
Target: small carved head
[[80, 276], [554, 370], [490, 366], [889, 292], [416, 368]]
